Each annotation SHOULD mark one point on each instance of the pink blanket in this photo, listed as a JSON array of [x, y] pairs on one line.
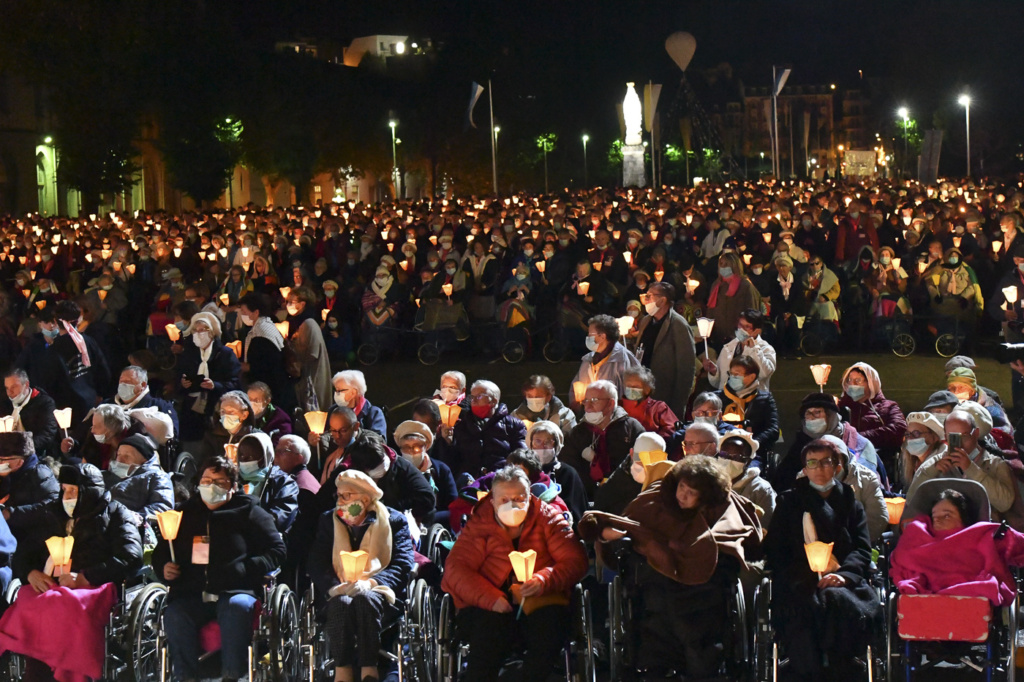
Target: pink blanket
[[63, 628], [969, 562]]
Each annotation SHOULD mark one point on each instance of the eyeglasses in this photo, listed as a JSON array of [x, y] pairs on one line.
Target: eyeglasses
[[219, 482], [594, 401], [480, 398], [826, 463], [707, 413], [697, 446], [917, 434]]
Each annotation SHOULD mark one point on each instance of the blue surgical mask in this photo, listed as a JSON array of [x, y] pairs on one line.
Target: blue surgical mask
[[917, 446], [725, 272], [855, 392], [815, 427], [213, 494], [736, 383], [51, 333], [741, 335], [252, 472]]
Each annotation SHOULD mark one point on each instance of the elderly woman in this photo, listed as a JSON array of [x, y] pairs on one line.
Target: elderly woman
[[312, 365], [360, 607], [479, 577], [730, 294], [109, 425], [276, 491], [263, 349], [268, 417], [414, 440], [747, 404], [655, 415], [135, 479], [402, 485], [350, 392], [607, 359], [875, 417], [236, 421], [207, 369], [696, 536], [951, 548], [225, 547], [835, 612], [452, 389], [924, 438], [545, 439], [541, 404], [482, 439]]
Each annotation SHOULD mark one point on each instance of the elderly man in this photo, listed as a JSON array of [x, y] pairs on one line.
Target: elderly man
[[630, 477], [133, 394], [968, 459], [100, 436], [482, 439], [32, 410], [607, 359], [24, 480], [599, 443], [292, 455], [666, 347], [748, 342], [350, 392]]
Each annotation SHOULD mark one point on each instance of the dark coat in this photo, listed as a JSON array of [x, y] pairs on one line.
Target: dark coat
[[37, 417], [147, 491], [224, 372], [622, 431], [673, 360], [573, 493], [761, 418], [244, 547], [279, 497], [442, 481], [266, 364], [69, 382], [372, 417], [32, 484], [878, 419], [481, 445], [274, 422]]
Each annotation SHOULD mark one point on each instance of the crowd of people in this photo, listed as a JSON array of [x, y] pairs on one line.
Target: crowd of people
[[128, 339]]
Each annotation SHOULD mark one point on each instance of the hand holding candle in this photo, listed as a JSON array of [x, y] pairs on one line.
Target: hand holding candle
[[169, 522]]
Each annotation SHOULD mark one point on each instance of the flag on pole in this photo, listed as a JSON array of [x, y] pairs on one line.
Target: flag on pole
[[651, 95], [780, 80], [475, 91]]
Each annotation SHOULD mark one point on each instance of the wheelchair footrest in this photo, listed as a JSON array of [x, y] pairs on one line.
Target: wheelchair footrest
[[935, 617]]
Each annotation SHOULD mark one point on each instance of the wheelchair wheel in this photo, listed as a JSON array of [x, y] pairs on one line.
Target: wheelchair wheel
[[736, 649], [555, 351], [582, 646], [144, 631], [447, 653], [947, 345], [762, 659], [12, 591], [368, 354], [812, 344], [185, 469], [903, 345], [513, 352], [285, 653], [422, 626], [462, 328], [432, 547], [428, 354], [616, 629]]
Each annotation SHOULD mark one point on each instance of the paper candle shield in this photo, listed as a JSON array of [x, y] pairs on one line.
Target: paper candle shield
[[691, 285], [169, 521], [818, 554], [316, 421], [172, 332], [704, 326], [1010, 294], [540, 266], [523, 563], [821, 373], [583, 288], [285, 291], [895, 505], [658, 274], [480, 494], [282, 327], [102, 294], [324, 313], [353, 565], [40, 304], [6, 424], [449, 414], [628, 257], [225, 299], [625, 324], [579, 390], [896, 263], [996, 246], [60, 549], [231, 452], [63, 417], [649, 457], [237, 347], [446, 289]]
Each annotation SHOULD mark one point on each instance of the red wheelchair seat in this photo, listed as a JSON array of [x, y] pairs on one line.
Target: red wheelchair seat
[[209, 634], [943, 618]]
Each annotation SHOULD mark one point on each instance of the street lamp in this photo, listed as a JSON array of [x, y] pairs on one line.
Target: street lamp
[[965, 102], [904, 114], [497, 129], [393, 124], [586, 183]]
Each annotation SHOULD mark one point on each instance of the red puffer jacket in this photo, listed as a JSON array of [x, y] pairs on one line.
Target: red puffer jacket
[[478, 565]]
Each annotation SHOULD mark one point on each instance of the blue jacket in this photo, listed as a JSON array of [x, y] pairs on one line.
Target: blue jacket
[[372, 417], [443, 482], [146, 491]]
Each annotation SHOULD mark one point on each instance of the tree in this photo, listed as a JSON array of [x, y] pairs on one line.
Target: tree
[[546, 142]]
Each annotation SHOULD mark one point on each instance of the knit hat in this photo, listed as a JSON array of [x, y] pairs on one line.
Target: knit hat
[[351, 480], [783, 260], [823, 400], [941, 399], [412, 427], [928, 420], [209, 319], [141, 443], [964, 377], [16, 444]]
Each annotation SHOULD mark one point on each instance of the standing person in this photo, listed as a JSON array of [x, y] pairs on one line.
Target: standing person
[[206, 370], [78, 374], [748, 342], [731, 293], [263, 357], [665, 346], [607, 359]]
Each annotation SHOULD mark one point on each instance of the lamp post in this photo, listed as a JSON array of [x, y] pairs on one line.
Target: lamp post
[[965, 102], [904, 114], [393, 124], [586, 183]]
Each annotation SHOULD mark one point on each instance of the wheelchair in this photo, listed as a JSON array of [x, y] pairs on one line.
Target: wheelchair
[[624, 606], [275, 651], [409, 642], [378, 340], [453, 652], [441, 327]]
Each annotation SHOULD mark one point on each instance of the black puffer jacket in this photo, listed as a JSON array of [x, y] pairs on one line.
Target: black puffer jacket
[[244, 546], [480, 446], [107, 544], [33, 483]]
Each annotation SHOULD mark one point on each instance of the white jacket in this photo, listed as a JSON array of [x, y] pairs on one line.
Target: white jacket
[[763, 354]]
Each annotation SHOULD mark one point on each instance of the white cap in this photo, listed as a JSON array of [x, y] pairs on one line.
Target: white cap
[[649, 442]]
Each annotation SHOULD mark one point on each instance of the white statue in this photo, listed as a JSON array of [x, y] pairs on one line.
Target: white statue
[[632, 112]]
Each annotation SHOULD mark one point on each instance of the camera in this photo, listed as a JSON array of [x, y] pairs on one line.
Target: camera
[[1010, 352]]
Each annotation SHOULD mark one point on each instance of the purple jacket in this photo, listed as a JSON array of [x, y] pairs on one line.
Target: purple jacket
[[275, 424]]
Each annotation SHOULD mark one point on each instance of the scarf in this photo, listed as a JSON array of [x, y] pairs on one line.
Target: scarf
[[16, 414], [376, 542], [382, 289], [785, 283], [477, 265], [263, 329], [739, 403], [734, 286], [78, 341], [134, 402], [811, 535]]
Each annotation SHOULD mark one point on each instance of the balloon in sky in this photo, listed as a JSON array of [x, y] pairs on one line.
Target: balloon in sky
[[681, 46]]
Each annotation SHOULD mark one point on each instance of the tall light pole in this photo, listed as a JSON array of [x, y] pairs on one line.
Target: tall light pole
[[905, 114], [965, 102], [586, 183], [393, 124]]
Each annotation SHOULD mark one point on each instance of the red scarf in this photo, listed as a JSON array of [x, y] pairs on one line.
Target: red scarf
[[734, 286]]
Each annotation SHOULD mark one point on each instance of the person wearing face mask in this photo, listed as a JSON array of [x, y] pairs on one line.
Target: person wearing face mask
[[96, 440], [517, 308], [962, 383], [748, 342], [77, 374], [267, 417], [842, 600], [133, 394], [234, 421], [207, 369], [357, 611], [32, 410], [956, 294], [541, 404], [24, 480], [654, 415], [34, 356], [631, 476], [666, 347], [300, 306], [875, 417], [925, 437], [110, 303], [135, 478], [403, 485], [545, 439], [350, 392], [821, 289], [730, 294], [746, 402], [693, 536], [106, 551], [414, 440], [263, 355], [452, 390], [276, 492], [607, 359], [225, 547], [736, 452], [482, 439], [479, 577], [856, 230]]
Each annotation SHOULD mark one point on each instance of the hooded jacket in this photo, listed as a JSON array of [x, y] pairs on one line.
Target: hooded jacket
[[878, 419], [277, 492], [481, 445], [33, 483], [555, 412]]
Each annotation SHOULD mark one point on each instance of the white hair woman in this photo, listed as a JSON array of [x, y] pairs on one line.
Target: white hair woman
[[483, 439], [350, 392], [453, 388]]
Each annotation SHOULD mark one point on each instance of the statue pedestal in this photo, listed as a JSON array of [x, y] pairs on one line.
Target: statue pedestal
[[633, 166]]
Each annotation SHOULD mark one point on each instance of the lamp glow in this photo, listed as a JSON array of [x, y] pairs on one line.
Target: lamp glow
[[317, 421], [285, 291], [523, 564], [231, 452], [821, 373], [169, 522], [704, 327], [1010, 294], [446, 289], [895, 505], [583, 288], [579, 390], [625, 324], [236, 346], [353, 565], [173, 333], [60, 552], [818, 555], [449, 414]]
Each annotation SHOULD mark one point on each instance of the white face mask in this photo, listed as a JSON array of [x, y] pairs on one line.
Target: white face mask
[[230, 422], [815, 426], [23, 398], [213, 494], [202, 339], [69, 506], [5, 469], [378, 472], [125, 392], [292, 309], [594, 417], [636, 469], [120, 469], [449, 394], [339, 399], [101, 438], [510, 515], [536, 404], [546, 455], [731, 468], [247, 320]]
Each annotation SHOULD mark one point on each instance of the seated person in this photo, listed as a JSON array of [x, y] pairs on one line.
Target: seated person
[[541, 404], [414, 440], [748, 405], [276, 492], [654, 415], [707, 408], [840, 603], [482, 439], [350, 392], [866, 488], [32, 410], [236, 421], [403, 486], [358, 610], [24, 480], [631, 477], [226, 545], [696, 536], [133, 394], [97, 444], [736, 451], [925, 438], [949, 547], [545, 439], [135, 479], [106, 549], [479, 577], [267, 417], [206, 370]]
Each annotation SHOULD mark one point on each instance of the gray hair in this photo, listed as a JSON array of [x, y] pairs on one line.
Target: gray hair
[[708, 398], [20, 374], [608, 387], [459, 377], [490, 388], [642, 373], [114, 417], [300, 444], [239, 398], [511, 474], [141, 375], [547, 427], [964, 416], [708, 429], [354, 378]]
